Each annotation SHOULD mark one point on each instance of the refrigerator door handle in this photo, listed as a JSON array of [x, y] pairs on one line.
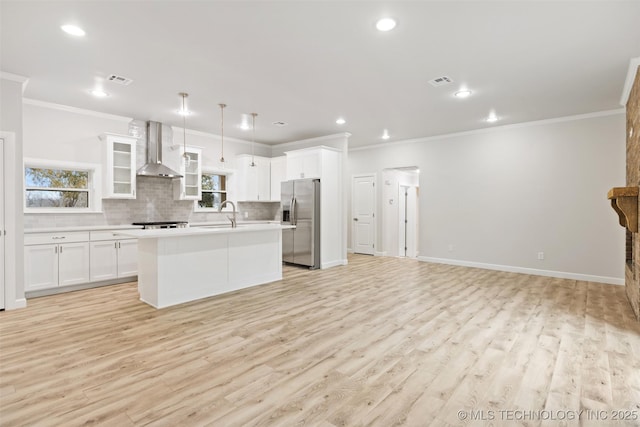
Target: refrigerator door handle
[[294, 214]]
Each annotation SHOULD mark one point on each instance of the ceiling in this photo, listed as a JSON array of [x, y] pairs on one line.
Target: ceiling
[[306, 63]]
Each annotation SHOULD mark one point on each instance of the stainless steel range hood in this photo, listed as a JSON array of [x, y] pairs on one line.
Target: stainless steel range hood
[[154, 166]]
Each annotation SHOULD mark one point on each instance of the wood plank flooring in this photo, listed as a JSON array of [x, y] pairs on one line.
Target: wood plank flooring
[[382, 342]]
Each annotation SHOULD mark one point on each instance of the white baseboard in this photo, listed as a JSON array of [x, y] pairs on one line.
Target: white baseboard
[[335, 263], [524, 270], [381, 253], [18, 303], [350, 251]]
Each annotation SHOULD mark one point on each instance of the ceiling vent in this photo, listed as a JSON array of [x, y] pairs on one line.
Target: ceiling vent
[[441, 81], [119, 79], [279, 124]]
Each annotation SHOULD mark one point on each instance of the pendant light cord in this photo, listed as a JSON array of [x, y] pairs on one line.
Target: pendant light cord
[[185, 157], [222, 132], [253, 138]]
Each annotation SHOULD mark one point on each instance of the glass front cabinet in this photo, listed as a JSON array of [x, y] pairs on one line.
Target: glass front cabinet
[[119, 164], [189, 187]]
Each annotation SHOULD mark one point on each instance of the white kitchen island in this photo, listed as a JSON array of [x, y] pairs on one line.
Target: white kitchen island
[[178, 265]]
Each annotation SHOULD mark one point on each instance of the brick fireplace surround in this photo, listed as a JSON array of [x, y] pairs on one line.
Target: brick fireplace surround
[[632, 268]]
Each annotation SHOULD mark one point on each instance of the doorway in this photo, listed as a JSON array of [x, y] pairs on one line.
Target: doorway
[[408, 221], [400, 211], [363, 224]]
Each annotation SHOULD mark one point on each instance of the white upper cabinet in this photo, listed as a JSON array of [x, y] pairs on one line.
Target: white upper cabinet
[[189, 187], [278, 175], [305, 163], [119, 164], [253, 183]]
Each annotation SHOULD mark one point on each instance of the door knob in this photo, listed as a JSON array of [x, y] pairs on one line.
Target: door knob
[[355, 219]]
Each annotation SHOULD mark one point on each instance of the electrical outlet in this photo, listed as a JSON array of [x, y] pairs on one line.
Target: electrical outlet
[[246, 215], [541, 255]]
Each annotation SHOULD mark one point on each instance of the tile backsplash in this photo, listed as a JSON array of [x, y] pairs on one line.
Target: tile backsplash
[[154, 202]]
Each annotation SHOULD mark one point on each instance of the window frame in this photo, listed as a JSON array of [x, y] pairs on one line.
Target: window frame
[[228, 180], [94, 184]]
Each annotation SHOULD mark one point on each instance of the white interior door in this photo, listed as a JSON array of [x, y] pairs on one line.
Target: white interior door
[[402, 221], [412, 222], [363, 210], [2, 280]]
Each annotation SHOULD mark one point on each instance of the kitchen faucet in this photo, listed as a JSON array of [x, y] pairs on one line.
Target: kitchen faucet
[[232, 219]]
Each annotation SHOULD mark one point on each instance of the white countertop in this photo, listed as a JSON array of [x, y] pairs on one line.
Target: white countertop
[[201, 230], [83, 228], [227, 222], [134, 227]]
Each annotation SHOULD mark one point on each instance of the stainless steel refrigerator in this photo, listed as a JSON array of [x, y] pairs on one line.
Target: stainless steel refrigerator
[[300, 204]]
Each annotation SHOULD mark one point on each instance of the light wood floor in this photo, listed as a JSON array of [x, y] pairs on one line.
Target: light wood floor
[[381, 342]]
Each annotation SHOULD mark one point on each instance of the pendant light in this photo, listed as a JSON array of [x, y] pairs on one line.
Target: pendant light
[[253, 138], [185, 156], [222, 132]]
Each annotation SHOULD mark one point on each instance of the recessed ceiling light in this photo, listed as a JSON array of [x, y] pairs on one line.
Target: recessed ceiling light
[[462, 93], [385, 24], [98, 93], [492, 118], [385, 134], [341, 121], [73, 30]]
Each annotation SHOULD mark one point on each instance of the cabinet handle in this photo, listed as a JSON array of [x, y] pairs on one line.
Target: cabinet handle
[[119, 245], [56, 249], [115, 245], [58, 237], [60, 249]]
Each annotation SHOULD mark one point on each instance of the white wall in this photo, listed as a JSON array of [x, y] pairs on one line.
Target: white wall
[[501, 196], [63, 133]]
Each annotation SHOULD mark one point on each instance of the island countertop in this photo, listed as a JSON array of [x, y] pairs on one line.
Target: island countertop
[[198, 231]]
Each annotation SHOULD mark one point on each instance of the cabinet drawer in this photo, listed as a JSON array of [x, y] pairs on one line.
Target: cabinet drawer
[[62, 237], [97, 236]]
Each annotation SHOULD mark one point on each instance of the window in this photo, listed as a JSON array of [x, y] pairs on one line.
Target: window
[[51, 186], [214, 191], [56, 188]]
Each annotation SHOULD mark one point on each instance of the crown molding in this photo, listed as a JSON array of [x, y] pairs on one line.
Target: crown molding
[[69, 109], [313, 140], [213, 135], [492, 129], [15, 78]]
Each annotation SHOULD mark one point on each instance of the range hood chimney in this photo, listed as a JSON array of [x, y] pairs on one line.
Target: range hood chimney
[[154, 166]]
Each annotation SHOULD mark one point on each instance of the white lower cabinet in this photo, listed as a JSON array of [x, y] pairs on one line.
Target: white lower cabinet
[[112, 259], [52, 265], [128, 258], [83, 257]]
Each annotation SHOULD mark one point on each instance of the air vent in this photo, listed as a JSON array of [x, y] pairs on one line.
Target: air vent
[[441, 81], [279, 124], [120, 80]]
